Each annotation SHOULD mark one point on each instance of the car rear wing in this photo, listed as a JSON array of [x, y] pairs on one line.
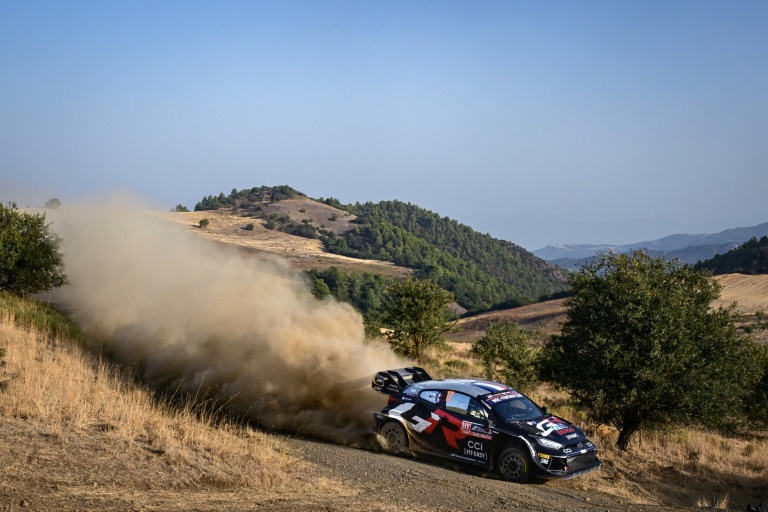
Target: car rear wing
[[392, 382]]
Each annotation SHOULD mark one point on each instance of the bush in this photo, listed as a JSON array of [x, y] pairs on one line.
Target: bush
[[305, 230], [30, 261], [204, 223], [180, 208], [249, 227], [53, 203], [507, 356]]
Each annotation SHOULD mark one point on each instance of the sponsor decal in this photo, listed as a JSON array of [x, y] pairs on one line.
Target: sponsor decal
[[572, 436], [543, 456], [475, 429], [500, 397], [550, 425], [475, 449], [567, 450]]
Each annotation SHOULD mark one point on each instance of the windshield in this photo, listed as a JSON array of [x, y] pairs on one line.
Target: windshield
[[513, 407]]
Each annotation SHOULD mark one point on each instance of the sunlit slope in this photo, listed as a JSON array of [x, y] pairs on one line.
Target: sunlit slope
[[301, 253], [750, 293], [74, 430]]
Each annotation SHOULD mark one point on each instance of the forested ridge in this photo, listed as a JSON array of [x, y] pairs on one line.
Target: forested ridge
[[751, 257], [481, 271]]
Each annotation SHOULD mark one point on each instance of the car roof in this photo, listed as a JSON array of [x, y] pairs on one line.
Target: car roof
[[473, 388]]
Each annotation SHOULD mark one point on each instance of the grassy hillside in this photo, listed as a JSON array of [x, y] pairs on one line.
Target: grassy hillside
[[750, 293], [78, 434], [481, 271]]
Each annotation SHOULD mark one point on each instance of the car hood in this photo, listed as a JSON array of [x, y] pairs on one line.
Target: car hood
[[552, 427]]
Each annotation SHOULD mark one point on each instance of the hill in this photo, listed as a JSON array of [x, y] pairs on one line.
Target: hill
[[751, 257], [302, 253], [481, 271], [749, 292], [78, 434], [685, 247]]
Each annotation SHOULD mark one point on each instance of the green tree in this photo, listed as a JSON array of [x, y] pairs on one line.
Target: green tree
[[507, 356], [30, 261], [204, 223], [757, 402], [180, 208], [642, 347], [53, 203], [416, 312]]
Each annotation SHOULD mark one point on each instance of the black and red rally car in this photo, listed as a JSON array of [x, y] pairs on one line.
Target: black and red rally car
[[477, 422]]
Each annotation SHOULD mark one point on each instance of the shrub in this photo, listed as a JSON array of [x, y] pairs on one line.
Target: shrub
[[30, 261], [506, 355], [249, 227], [204, 223]]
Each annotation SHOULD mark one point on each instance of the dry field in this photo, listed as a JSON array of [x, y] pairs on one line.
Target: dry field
[[78, 435], [301, 253], [750, 293]]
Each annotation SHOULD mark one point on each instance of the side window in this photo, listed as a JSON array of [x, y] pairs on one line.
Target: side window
[[456, 402], [477, 410], [430, 396]]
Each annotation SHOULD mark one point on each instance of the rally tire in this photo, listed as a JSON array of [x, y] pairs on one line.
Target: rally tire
[[395, 437], [514, 465]]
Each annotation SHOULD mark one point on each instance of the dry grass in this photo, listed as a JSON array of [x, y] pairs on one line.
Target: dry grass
[[68, 420], [714, 502], [301, 253], [679, 467]]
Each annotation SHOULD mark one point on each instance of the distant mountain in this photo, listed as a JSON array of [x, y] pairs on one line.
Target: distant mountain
[[687, 248]]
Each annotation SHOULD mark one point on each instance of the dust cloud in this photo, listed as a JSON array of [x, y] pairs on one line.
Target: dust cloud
[[196, 316]]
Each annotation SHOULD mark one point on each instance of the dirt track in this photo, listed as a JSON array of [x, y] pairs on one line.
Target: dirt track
[[379, 481]]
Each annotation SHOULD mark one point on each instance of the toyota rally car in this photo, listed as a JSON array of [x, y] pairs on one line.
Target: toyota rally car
[[481, 423]]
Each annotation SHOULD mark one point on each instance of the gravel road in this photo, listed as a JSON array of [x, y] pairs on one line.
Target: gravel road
[[387, 482]]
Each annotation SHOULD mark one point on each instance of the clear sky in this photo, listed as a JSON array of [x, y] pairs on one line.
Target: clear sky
[[536, 122]]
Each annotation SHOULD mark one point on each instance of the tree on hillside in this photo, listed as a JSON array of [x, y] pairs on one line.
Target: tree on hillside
[[53, 203], [30, 261], [204, 223], [416, 312], [641, 346], [751, 257], [757, 402], [506, 355]]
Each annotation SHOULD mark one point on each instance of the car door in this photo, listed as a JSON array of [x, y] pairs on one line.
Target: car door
[[464, 429], [422, 420]]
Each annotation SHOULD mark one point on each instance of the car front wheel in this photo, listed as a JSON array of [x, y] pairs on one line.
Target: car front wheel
[[395, 438], [514, 465]]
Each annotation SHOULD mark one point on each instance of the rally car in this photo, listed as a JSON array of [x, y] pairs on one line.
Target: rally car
[[485, 424]]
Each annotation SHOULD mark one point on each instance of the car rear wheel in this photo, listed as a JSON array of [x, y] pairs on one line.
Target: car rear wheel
[[514, 465], [395, 438]]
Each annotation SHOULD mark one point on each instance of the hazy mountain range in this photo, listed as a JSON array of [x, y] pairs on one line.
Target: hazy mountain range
[[686, 247]]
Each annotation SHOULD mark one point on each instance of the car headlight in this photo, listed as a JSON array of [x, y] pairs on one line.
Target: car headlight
[[546, 443]]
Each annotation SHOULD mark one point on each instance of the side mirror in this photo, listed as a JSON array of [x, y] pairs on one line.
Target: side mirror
[[544, 409]]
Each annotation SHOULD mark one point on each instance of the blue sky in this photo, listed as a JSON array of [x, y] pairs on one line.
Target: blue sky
[[537, 122]]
